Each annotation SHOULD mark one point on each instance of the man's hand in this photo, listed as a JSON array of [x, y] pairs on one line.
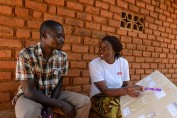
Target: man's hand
[[50, 112], [134, 90], [68, 109]]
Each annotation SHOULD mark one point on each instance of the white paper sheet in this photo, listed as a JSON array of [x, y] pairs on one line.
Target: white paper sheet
[[126, 111], [159, 94], [172, 108]]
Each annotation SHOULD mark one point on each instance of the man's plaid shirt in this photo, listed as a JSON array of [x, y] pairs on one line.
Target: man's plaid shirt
[[46, 74]]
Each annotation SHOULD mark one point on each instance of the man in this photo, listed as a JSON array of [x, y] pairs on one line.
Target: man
[[40, 69]]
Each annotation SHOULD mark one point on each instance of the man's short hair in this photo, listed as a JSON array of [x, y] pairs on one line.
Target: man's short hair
[[49, 25]]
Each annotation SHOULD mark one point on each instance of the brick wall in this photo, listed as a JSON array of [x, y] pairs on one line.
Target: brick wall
[[85, 23]]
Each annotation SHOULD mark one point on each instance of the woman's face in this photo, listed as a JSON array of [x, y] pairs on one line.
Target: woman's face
[[106, 52]]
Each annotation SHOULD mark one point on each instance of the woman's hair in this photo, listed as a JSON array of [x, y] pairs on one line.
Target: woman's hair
[[116, 44]]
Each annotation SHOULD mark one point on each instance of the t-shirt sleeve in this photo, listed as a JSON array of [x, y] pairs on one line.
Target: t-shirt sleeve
[[126, 75], [96, 72], [23, 68]]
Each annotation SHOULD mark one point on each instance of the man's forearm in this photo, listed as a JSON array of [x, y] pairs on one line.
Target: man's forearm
[[42, 99]]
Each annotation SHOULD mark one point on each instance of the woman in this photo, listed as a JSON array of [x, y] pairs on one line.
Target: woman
[[109, 76]]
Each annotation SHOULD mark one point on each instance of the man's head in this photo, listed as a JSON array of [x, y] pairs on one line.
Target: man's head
[[52, 34]]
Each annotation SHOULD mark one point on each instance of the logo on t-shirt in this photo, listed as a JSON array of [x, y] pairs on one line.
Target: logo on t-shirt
[[119, 73]]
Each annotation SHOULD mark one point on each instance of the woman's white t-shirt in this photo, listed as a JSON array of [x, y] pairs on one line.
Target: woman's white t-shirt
[[114, 74]]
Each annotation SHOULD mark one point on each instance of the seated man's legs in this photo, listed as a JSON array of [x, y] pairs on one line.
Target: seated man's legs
[[80, 102], [26, 108]]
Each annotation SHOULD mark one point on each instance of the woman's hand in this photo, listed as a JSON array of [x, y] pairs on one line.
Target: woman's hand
[[134, 90]]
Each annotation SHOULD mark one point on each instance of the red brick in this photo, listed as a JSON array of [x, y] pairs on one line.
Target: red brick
[[136, 65], [110, 1], [84, 16], [122, 4], [74, 56], [127, 52], [4, 97], [14, 22], [91, 41], [130, 1], [150, 48], [163, 6], [81, 81], [158, 22], [133, 34], [155, 43], [115, 9], [164, 34], [10, 43], [65, 81], [5, 10], [7, 64], [66, 47], [77, 48], [157, 33], [73, 88], [139, 71], [137, 40], [75, 22], [74, 73], [65, 12], [142, 36], [21, 12], [152, 37], [114, 23], [108, 29], [11, 2], [68, 29], [131, 46], [36, 35], [35, 5], [53, 17], [162, 17], [169, 20], [5, 31], [72, 39], [92, 10], [102, 5], [98, 34], [37, 14], [52, 9], [173, 16], [158, 10], [158, 49], [165, 50], [145, 65], [122, 32], [140, 4], [78, 64], [133, 8], [137, 53], [152, 26], [150, 19], [149, 7], [5, 54], [86, 1], [22, 33], [82, 32], [74, 5], [8, 86], [166, 24], [5, 76], [55, 2], [171, 9], [173, 26], [89, 57], [147, 54], [126, 39], [99, 19], [155, 54], [153, 65], [147, 42], [144, 11], [106, 14], [161, 29], [86, 88], [33, 24], [167, 13], [92, 25]]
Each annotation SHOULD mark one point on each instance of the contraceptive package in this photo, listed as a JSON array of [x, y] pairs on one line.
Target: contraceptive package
[[158, 100]]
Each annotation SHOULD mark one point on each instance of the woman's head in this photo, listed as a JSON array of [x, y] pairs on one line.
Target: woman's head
[[110, 47]]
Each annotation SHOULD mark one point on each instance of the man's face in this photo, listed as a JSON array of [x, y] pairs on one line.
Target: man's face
[[55, 38]]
